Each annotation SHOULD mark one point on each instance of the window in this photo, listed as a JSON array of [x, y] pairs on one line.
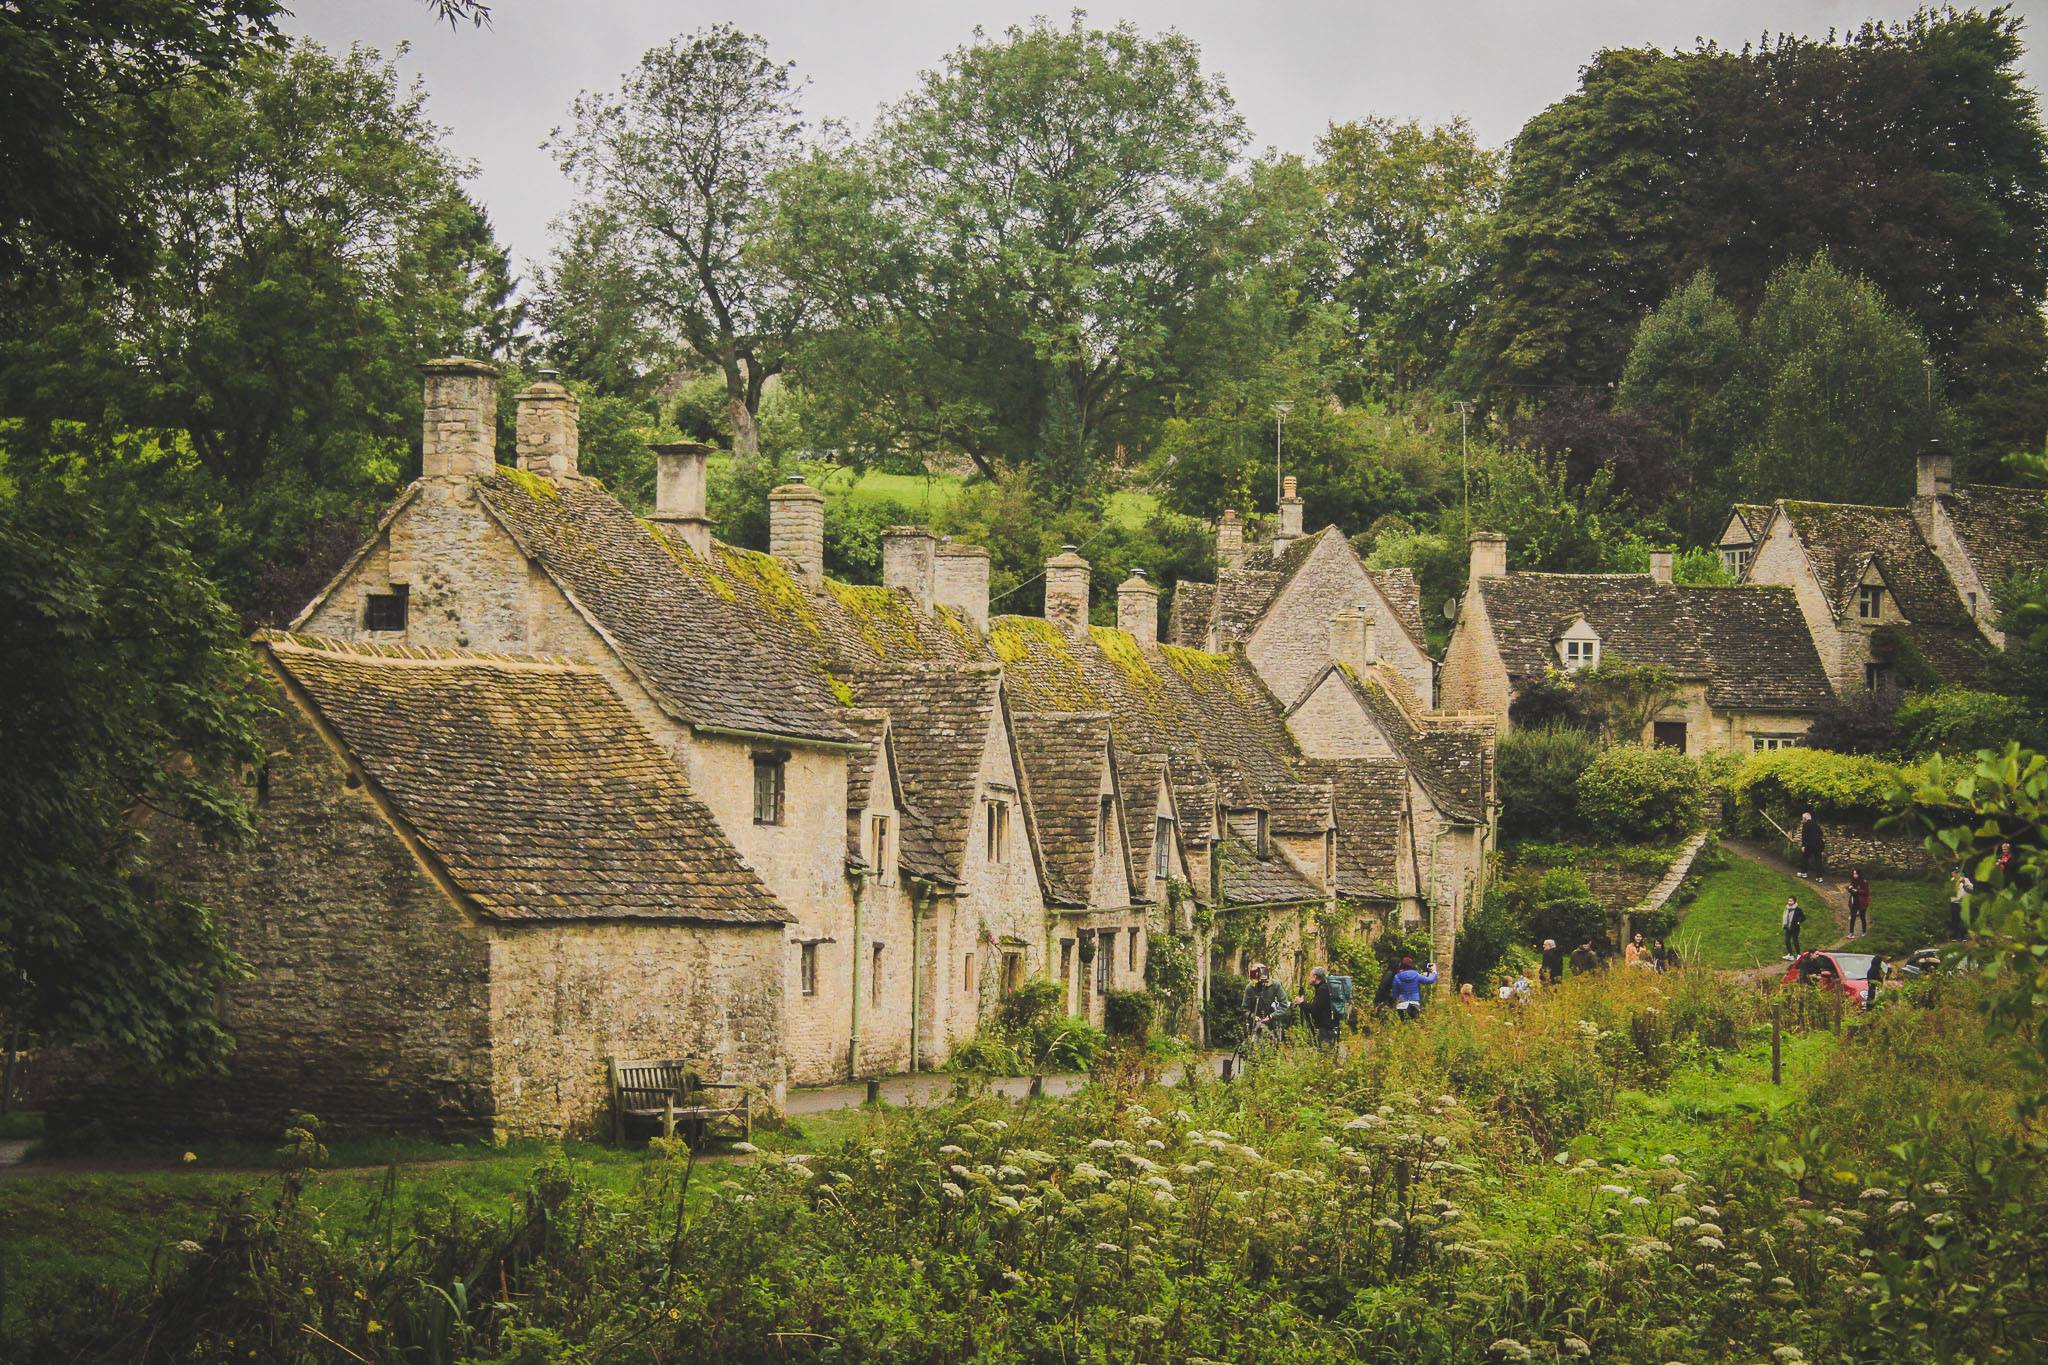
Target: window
[[1736, 562], [1329, 856], [1066, 960], [1249, 826], [768, 784], [998, 833], [875, 978], [1765, 743], [1973, 604], [1133, 963], [1013, 972], [1162, 849], [1105, 811], [1870, 601], [807, 967], [1877, 677], [1105, 962], [386, 610], [1580, 654], [878, 849], [1668, 734], [967, 974]]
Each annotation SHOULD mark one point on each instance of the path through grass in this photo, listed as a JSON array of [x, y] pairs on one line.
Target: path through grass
[[1734, 920]]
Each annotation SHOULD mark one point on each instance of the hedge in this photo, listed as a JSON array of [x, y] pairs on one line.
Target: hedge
[[1834, 786], [1632, 794]]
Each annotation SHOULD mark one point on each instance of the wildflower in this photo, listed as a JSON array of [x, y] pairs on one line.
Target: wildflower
[[1385, 1222], [675, 1315], [1667, 1160], [1364, 1122], [1507, 1348], [745, 1148], [1088, 1170], [1012, 1172], [1614, 1189], [998, 1126], [1935, 1187], [1007, 1202], [190, 1247], [952, 1191], [1710, 1243], [1576, 1346], [1710, 1230], [1101, 1145], [1788, 1354], [1832, 1221], [373, 1326], [1108, 1248], [1874, 1193], [1638, 1201], [189, 1157], [1440, 1142], [1014, 1278], [799, 1158], [1447, 1101], [1900, 1206], [1154, 1144], [1709, 1211], [952, 1149], [957, 1169]]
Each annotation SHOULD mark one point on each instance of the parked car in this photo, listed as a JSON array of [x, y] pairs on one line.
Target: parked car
[[1921, 962], [1846, 972]]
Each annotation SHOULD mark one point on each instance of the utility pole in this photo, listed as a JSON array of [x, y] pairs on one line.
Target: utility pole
[[1280, 411], [1465, 462]]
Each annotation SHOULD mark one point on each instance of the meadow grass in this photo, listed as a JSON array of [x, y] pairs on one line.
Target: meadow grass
[[1905, 915], [1734, 920]]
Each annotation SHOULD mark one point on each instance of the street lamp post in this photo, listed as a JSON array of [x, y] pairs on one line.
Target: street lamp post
[[1280, 411]]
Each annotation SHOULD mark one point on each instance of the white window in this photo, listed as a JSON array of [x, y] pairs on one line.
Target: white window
[[1765, 743], [807, 967], [1162, 849], [1736, 562], [1870, 601], [997, 837], [1580, 654]]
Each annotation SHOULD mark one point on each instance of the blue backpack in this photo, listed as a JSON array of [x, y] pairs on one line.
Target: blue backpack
[[1340, 996]]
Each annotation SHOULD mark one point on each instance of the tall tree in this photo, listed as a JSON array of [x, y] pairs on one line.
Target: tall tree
[[1688, 375], [1404, 204], [311, 245], [1031, 258], [672, 168]]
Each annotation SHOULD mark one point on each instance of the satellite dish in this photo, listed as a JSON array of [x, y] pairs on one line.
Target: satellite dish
[[1451, 605]]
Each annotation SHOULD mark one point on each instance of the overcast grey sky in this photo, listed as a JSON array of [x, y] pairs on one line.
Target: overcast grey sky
[[1294, 66]]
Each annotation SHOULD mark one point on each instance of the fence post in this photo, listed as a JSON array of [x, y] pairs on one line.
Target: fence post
[[874, 1091], [1777, 1071], [1037, 1087]]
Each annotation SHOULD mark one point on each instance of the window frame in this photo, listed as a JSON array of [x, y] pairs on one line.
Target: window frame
[[878, 839], [1105, 811], [1576, 654], [398, 599], [1870, 601], [1131, 959], [996, 829], [776, 766], [1877, 676], [807, 968], [1105, 963], [1162, 848]]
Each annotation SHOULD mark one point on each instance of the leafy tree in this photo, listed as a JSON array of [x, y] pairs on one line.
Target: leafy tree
[[1404, 205], [594, 320], [124, 686], [1539, 770], [1032, 258], [313, 244], [1630, 793], [673, 167], [1687, 372], [1582, 438], [1961, 720], [1701, 568], [1856, 723]]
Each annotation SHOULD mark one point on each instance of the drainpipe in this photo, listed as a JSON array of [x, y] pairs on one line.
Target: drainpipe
[[860, 896], [916, 954]]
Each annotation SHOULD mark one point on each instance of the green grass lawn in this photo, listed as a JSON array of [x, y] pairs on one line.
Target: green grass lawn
[[926, 495], [1734, 921], [1905, 915]]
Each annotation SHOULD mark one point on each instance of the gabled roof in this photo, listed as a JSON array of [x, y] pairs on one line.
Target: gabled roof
[[1065, 754], [1749, 644], [1752, 517], [712, 655], [940, 719], [1371, 795], [1240, 598], [2004, 531], [1840, 540], [1249, 879], [1448, 760], [529, 782]]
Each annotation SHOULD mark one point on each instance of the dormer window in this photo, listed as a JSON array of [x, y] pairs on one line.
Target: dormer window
[[1735, 559], [1870, 601], [1249, 828]]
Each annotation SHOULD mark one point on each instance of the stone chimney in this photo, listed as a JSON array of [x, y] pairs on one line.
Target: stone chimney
[[1660, 566], [1066, 591], [1229, 540], [1489, 555], [545, 437], [1289, 529], [796, 527], [1137, 608], [909, 562], [679, 493], [460, 435], [960, 580], [1934, 473], [1349, 630]]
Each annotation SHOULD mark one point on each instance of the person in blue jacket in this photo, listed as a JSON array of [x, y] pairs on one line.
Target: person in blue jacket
[[1408, 984]]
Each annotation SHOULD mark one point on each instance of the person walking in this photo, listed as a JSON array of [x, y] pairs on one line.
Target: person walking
[[1960, 887], [1859, 903], [1794, 917], [1584, 959], [1812, 848], [1552, 970], [1265, 1007], [1408, 984], [1319, 1007]]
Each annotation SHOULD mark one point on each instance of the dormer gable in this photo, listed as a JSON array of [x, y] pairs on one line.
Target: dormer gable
[[1577, 646], [1875, 603]]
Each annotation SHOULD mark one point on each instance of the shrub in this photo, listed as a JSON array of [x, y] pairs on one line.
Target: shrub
[[1785, 782], [1859, 723], [1127, 1014], [1031, 1006], [1563, 907], [1631, 793], [1222, 1012], [1539, 773], [1486, 938], [1959, 720]]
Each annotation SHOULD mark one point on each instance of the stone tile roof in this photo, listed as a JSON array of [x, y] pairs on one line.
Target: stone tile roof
[[1251, 880], [1371, 800], [1754, 515], [712, 655], [1207, 716], [940, 719], [530, 782], [1237, 600], [871, 727], [1299, 808], [1449, 761], [2004, 531], [1404, 593], [1843, 539], [1748, 644], [1063, 754]]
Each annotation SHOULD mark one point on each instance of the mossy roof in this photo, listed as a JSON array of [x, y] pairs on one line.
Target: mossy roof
[[529, 781], [1449, 761], [2004, 531], [1066, 756], [941, 721], [1843, 541], [1249, 879], [1371, 804]]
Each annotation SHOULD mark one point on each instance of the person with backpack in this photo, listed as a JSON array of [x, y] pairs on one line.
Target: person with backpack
[[1584, 959], [1407, 989], [1859, 903], [1319, 1007], [1265, 1006], [1794, 917]]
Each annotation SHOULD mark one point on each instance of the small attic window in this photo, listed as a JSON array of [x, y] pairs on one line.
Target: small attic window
[[1870, 601], [1578, 654], [386, 610], [1105, 811]]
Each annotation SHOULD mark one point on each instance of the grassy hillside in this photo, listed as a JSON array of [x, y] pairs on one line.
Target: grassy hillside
[[1735, 918]]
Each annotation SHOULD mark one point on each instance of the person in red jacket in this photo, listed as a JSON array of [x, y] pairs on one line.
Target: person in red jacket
[[1859, 904]]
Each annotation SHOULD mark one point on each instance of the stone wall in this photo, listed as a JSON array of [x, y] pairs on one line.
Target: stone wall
[[1474, 679], [1875, 851], [565, 998], [1782, 559]]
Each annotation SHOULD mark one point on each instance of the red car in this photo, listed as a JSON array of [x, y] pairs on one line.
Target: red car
[[1848, 972]]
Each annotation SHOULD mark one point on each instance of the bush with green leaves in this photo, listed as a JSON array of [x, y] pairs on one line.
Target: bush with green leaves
[[1223, 1011], [1538, 771], [1631, 793], [1127, 1015], [1783, 783], [1961, 720]]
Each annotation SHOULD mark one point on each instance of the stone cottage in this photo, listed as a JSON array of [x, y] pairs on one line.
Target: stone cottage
[[444, 930], [1900, 596], [1747, 675]]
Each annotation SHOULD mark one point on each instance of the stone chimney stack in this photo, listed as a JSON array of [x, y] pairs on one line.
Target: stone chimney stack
[[1229, 540], [545, 437], [460, 436], [796, 527], [1372, 638], [1660, 566], [1934, 473], [1289, 529], [1489, 555], [960, 581], [1066, 591], [1137, 608], [1349, 630], [679, 494], [910, 562]]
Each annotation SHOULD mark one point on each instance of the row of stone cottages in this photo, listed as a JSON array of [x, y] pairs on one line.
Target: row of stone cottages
[[549, 783]]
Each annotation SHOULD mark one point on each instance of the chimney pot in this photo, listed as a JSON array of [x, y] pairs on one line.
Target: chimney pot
[[1660, 566], [679, 473], [459, 436], [1066, 591], [1137, 608], [960, 581], [546, 434], [1289, 529], [796, 527], [1489, 555]]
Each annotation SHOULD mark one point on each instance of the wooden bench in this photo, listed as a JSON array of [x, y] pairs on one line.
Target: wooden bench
[[664, 1095]]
